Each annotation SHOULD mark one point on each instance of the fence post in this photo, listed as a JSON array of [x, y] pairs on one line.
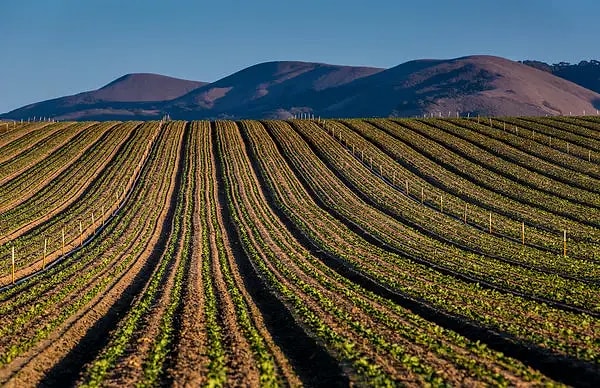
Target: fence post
[[94, 223], [406, 187], [565, 243], [465, 213], [490, 222], [523, 232], [13, 264], [441, 203], [422, 196], [45, 252]]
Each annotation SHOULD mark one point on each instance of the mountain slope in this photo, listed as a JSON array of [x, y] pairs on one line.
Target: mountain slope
[[477, 84], [129, 96], [484, 85], [584, 73], [264, 88]]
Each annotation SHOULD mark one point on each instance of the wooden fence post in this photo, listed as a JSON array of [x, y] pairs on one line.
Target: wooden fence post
[[45, 252], [422, 196], [13, 264], [523, 232], [565, 243], [406, 187], [441, 203], [490, 222], [465, 213], [94, 223]]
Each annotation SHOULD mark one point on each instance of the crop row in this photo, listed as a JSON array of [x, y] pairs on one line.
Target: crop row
[[532, 143], [562, 139], [426, 183], [519, 166], [473, 170], [34, 138], [81, 197], [561, 332], [431, 166], [15, 132], [310, 292], [99, 272], [33, 172], [124, 347], [432, 239]]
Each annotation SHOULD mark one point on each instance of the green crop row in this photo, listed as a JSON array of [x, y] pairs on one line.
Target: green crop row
[[486, 308]]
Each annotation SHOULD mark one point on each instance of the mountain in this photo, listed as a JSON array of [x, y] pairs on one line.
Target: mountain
[[266, 89], [128, 97], [584, 73], [484, 85]]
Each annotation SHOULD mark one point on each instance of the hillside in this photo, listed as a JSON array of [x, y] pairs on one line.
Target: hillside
[[265, 89], [475, 85], [126, 97], [483, 85], [584, 73]]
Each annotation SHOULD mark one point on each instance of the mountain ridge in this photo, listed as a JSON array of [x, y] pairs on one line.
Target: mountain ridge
[[477, 84]]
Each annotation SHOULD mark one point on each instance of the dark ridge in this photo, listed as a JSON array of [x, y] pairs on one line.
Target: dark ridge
[[558, 367], [463, 175], [314, 366], [67, 371]]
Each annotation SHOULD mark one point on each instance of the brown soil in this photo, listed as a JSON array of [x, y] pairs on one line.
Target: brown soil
[[36, 363], [129, 368], [70, 243]]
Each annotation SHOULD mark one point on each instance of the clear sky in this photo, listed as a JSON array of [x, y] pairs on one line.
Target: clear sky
[[52, 48]]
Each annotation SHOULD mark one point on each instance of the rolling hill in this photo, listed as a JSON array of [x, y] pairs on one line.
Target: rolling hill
[[127, 97], [476, 85]]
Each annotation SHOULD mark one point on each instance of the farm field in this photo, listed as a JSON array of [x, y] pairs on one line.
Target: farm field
[[369, 252]]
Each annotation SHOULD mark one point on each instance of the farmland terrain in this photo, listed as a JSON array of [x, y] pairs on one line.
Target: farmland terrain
[[373, 252]]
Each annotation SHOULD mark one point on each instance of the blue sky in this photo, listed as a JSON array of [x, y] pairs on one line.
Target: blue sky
[[54, 48]]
